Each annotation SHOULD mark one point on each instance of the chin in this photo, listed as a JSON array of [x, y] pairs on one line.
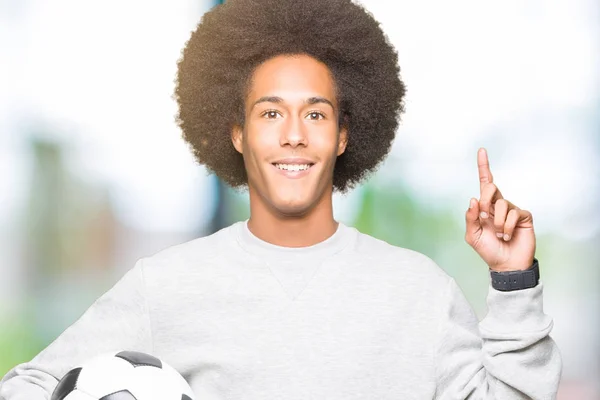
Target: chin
[[292, 208]]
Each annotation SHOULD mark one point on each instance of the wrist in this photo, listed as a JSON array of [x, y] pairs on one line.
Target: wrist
[[516, 280]]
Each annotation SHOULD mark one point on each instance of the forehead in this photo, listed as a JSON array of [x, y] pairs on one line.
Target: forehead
[[293, 78]]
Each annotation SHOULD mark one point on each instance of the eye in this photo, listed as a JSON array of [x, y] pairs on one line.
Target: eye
[[270, 114], [316, 115]]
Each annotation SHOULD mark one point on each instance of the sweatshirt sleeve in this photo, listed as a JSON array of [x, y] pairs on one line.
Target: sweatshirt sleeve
[[508, 355], [118, 320]]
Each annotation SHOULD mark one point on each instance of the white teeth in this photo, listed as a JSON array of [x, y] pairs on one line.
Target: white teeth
[[293, 167]]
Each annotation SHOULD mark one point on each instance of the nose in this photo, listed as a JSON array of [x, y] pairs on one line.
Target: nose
[[294, 133]]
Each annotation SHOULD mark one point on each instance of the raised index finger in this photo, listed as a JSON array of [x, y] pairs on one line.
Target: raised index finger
[[485, 175]]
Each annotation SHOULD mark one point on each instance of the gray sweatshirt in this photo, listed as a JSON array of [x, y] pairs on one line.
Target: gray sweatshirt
[[349, 318]]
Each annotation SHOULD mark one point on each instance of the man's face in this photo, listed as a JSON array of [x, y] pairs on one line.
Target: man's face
[[291, 137]]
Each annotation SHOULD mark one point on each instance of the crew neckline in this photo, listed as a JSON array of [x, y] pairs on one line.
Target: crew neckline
[[335, 243]]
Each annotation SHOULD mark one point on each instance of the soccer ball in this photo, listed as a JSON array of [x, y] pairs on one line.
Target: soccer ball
[[127, 375]]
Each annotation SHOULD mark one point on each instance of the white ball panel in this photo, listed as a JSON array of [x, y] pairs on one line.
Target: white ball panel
[[79, 395], [153, 383], [104, 374], [178, 380]]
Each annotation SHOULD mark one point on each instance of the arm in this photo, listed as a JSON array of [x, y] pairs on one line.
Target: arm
[[509, 355], [118, 320]]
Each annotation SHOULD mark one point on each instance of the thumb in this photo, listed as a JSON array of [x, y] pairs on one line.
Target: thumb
[[473, 225]]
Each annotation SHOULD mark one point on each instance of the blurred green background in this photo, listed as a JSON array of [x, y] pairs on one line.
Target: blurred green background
[[94, 174]]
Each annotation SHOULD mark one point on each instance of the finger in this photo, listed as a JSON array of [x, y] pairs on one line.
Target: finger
[[473, 224], [483, 165], [500, 215], [511, 221], [489, 195]]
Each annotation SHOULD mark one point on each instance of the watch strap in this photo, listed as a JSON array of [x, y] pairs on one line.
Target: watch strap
[[516, 280]]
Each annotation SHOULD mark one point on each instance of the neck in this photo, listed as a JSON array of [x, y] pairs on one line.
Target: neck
[[310, 228]]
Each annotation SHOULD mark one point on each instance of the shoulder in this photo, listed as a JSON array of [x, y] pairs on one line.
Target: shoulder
[[197, 251], [404, 261]]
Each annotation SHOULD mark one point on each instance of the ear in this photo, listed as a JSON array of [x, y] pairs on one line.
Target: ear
[[237, 138], [342, 140]]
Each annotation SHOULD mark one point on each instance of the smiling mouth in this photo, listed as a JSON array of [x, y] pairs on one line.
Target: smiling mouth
[[293, 167], [293, 170]]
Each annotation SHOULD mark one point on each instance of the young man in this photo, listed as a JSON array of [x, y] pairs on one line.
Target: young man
[[295, 99]]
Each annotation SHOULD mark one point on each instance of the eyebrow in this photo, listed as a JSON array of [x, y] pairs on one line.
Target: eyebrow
[[279, 100]]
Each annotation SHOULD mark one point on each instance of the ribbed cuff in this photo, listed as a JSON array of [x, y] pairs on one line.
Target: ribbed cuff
[[515, 311]]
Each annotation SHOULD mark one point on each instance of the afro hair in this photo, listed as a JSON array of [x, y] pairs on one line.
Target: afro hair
[[233, 38]]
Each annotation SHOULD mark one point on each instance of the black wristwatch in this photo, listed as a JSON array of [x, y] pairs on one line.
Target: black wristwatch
[[516, 280]]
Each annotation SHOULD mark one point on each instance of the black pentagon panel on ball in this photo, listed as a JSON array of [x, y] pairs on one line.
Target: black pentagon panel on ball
[[185, 397], [66, 385], [138, 359], [120, 395]]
